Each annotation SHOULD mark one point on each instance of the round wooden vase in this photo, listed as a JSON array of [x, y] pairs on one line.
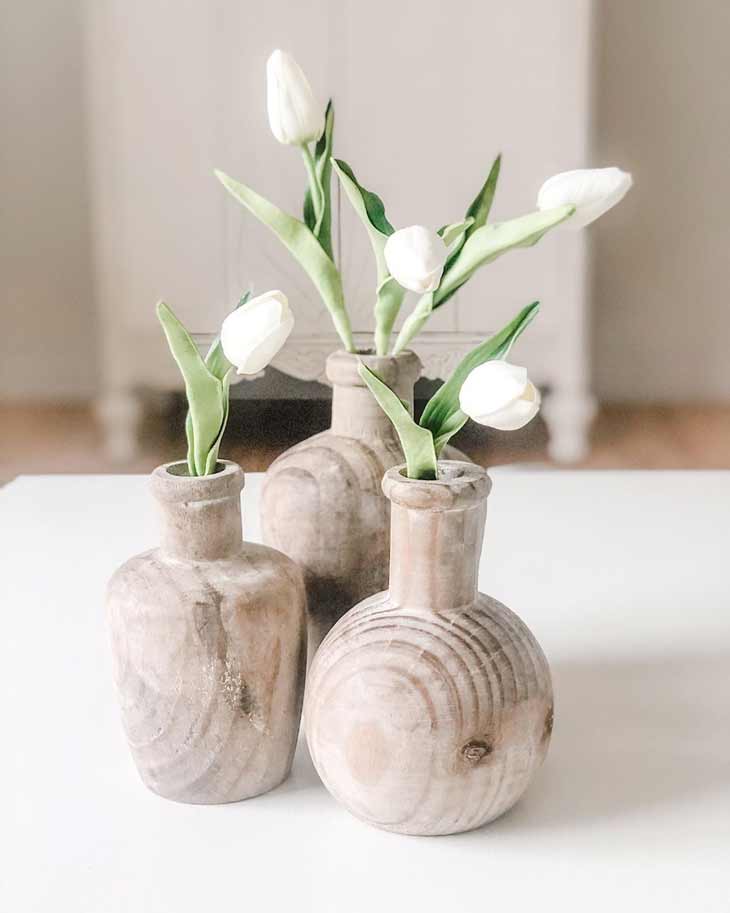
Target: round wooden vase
[[322, 499], [208, 642], [429, 707]]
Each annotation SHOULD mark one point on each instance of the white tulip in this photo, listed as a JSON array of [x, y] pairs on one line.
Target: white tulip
[[253, 334], [592, 191], [294, 115], [415, 257], [499, 395]]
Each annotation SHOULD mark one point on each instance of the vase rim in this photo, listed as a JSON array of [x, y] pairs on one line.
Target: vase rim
[[459, 485], [371, 353], [342, 367], [167, 485]]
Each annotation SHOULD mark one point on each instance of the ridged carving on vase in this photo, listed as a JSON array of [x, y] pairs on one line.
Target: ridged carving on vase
[[429, 706], [322, 499], [209, 647]]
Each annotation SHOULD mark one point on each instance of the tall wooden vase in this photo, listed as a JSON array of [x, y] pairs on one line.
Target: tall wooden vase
[[322, 499], [429, 706], [209, 649]]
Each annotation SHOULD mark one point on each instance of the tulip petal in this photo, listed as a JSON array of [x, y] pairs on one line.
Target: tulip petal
[[491, 387], [443, 415], [415, 257], [216, 361], [515, 415], [252, 335], [294, 116], [267, 348], [593, 191]]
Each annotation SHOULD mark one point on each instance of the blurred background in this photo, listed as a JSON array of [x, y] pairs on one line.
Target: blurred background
[[115, 114]]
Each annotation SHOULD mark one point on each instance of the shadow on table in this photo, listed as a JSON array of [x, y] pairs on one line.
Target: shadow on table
[[631, 733], [303, 775]]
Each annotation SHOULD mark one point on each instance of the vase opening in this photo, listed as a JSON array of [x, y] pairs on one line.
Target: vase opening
[[448, 471], [181, 469], [459, 484]]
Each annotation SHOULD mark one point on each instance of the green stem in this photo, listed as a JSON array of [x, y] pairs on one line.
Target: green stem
[[414, 322], [387, 305], [317, 195]]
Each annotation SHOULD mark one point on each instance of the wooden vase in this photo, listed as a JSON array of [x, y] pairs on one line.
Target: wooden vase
[[322, 499], [208, 643], [429, 707]]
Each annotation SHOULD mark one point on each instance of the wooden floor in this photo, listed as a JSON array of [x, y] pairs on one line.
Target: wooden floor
[[50, 438]]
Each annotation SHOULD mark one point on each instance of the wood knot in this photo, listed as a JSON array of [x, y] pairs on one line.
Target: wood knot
[[475, 750], [548, 727]]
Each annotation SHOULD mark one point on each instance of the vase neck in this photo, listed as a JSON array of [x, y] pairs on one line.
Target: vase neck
[[436, 535], [355, 413], [200, 517]]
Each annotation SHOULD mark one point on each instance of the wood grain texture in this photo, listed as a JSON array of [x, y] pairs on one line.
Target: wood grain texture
[[208, 644], [429, 707], [322, 502]]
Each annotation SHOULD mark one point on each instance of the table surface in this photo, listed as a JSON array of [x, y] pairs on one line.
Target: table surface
[[622, 576]]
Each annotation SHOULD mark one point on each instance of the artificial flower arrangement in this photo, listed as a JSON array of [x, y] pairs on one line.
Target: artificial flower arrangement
[[253, 598], [433, 263], [250, 337], [484, 387]]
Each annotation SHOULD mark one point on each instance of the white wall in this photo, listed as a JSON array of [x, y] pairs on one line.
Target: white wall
[[424, 101], [661, 316], [661, 297], [47, 317]]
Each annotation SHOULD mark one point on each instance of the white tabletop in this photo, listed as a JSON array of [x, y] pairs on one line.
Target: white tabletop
[[623, 577]]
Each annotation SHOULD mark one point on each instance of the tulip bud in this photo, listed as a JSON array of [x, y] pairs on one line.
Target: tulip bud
[[592, 191], [253, 334], [499, 395], [294, 116], [415, 257]]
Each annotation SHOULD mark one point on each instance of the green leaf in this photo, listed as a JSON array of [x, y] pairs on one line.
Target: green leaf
[[482, 203], [323, 161], [308, 211], [451, 233], [212, 458], [417, 442], [478, 212], [304, 246], [217, 363], [318, 206], [389, 299], [190, 437], [205, 394], [487, 243], [442, 415], [371, 211]]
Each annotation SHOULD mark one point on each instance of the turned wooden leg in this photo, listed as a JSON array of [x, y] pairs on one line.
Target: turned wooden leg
[[120, 414], [568, 415]]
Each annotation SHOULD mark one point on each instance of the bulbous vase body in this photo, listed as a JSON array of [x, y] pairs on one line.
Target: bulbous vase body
[[429, 706], [322, 503], [208, 644]]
